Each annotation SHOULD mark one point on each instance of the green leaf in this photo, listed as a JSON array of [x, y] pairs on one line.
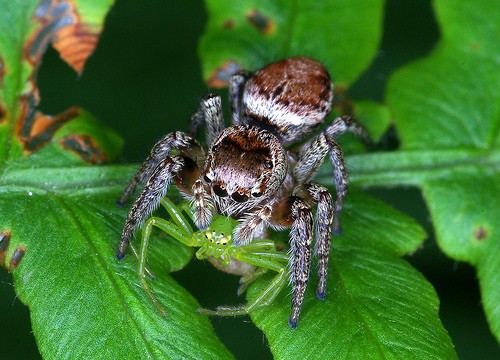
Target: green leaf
[[254, 33], [447, 113], [60, 227], [455, 106], [82, 300], [26, 29], [378, 307]]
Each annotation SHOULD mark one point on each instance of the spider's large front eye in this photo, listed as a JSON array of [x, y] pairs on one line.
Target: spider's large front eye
[[219, 190], [239, 197]]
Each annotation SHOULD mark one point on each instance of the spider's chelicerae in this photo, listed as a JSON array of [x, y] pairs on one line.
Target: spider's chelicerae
[[248, 170]]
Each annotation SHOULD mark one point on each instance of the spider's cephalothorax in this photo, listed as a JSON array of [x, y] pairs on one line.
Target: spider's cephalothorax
[[249, 173]]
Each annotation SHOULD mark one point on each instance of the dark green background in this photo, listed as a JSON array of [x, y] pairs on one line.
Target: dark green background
[[144, 80]]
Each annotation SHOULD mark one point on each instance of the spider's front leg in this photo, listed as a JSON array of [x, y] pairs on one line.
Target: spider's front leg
[[159, 170], [156, 188], [177, 140], [211, 115]]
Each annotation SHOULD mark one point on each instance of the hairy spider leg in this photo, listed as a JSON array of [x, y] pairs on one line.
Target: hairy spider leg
[[315, 193], [291, 211], [312, 154], [236, 86], [210, 114], [157, 168], [162, 149], [300, 255], [150, 197], [347, 123]]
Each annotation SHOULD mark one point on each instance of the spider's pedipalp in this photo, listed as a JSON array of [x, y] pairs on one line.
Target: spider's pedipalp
[[252, 226], [202, 204]]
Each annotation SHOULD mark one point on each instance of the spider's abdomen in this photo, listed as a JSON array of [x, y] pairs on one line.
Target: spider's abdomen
[[290, 97]]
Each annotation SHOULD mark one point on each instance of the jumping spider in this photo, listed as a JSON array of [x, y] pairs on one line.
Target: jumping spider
[[250, 173]]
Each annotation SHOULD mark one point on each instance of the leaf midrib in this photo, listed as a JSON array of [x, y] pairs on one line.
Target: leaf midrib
[[413, 167], [402, 167], [58, 179]]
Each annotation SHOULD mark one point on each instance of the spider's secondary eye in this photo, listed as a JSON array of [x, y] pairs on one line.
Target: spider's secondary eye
[[239, 197], [207, 179], [257, 194], [269, 165], [219, 190]]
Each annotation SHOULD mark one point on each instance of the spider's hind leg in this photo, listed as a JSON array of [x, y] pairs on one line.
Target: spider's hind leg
[[312, 154], [236, 86], [347, 123], [210, 114]]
